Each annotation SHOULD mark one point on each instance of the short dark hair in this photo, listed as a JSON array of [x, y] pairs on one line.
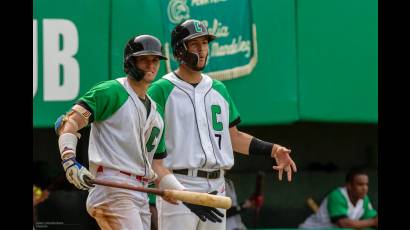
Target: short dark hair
[[354, 172]]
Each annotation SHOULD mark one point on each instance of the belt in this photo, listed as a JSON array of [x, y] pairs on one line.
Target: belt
[[139, 178], [199, 173]]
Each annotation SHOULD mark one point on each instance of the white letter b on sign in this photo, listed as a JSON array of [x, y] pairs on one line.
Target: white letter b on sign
[[54, 57]]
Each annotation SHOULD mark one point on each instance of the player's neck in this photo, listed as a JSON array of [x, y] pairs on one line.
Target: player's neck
[[352, 198], [139, 87], [188, 75]]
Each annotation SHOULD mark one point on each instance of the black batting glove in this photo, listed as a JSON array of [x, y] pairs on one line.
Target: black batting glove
[[204, 212]]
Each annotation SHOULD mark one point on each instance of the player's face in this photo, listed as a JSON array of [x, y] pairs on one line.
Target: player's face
[[199, 46], [149, 64], [360, 186]]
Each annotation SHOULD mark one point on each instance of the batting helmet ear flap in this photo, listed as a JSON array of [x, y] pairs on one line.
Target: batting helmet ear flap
[[191, 59], [134, 71], [183, 56]]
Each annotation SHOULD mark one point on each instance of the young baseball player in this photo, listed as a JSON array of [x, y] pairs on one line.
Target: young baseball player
[[346, 207], [201, 132], [126, 140]]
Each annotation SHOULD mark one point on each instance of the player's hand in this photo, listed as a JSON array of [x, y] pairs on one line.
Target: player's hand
[[75, 173], [283, 160], [204, 212]]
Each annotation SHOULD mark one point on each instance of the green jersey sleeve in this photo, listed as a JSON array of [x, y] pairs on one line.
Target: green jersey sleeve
[[336, 204], [233, 111], [104, 99], [160, 90], [369, 211]]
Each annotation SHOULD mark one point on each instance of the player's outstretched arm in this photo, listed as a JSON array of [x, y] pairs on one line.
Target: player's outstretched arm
[[67, 127], [246, 144]]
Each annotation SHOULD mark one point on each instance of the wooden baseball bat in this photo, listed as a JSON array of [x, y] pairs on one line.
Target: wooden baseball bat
[[312, 204], [198, 198]]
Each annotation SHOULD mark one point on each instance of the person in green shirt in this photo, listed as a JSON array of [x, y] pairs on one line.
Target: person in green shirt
[[346, 207]]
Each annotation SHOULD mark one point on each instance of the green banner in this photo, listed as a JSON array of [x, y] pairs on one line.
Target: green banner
[[338, 60], [234, 53], [269, 95], [70, 54]]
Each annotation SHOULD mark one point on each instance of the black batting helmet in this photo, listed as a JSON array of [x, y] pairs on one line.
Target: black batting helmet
[[139, 46], [184, 32]]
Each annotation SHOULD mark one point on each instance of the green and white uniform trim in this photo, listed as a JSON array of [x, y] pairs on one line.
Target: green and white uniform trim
[[197, 122], [336, 205], [121, 136]]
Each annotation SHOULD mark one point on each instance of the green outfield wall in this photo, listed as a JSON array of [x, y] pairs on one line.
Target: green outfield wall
[[316, 59]]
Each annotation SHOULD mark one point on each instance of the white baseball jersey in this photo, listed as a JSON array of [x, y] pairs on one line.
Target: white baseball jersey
[[197, 122], [122, 137], [336, 205]]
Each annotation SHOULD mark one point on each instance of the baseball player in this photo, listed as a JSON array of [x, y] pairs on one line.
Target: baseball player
[[348, 206], [201, 132], [126, 140]]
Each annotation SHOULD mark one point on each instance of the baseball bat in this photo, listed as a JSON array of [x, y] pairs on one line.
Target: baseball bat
[[312, 204], [198, 198]]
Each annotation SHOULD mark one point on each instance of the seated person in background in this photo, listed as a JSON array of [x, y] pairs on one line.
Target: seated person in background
[[346, 207]]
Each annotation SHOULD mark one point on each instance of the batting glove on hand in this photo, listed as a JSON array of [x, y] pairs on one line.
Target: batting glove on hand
[[75, 173], [205, 212]]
